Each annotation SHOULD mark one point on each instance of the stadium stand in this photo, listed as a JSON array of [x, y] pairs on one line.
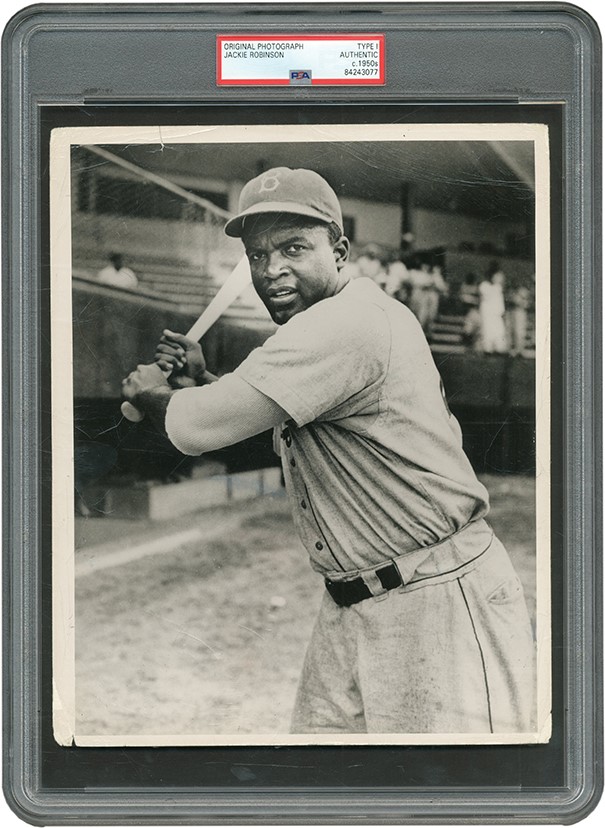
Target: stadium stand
[[172, 239]]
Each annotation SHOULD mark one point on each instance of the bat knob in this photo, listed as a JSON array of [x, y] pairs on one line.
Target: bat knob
[[131, 413]]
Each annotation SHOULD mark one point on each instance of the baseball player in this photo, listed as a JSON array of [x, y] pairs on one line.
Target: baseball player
[[423, 626]]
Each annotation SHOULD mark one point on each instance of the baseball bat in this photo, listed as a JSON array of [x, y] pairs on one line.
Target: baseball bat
[[237, 281]]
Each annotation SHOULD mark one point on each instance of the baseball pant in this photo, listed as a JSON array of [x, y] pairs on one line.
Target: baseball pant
[[452, 653]]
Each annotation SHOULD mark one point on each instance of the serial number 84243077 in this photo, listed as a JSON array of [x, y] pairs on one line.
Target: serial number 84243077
[[361, 71]]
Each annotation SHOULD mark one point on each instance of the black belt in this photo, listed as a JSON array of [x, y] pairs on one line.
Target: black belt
[[346, 593]]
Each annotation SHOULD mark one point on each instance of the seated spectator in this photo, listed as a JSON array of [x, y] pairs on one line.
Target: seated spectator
[[116, 274]]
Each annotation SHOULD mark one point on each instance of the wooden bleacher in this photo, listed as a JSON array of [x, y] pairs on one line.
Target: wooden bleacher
[[175, 282], [179, 283], [448, 336]]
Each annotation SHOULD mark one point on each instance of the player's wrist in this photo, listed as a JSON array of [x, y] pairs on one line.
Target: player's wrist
[[206, 377], [154, 403]]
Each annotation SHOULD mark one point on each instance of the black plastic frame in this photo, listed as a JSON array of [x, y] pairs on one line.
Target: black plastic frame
[[63, 65]]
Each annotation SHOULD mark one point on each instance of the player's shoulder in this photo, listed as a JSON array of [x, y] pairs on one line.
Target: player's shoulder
[[357, 311], [372, 304], [360, 300], [348, 320]]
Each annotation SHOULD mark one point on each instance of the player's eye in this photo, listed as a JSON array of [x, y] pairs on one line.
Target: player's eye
[[254, 256], [293, 249]]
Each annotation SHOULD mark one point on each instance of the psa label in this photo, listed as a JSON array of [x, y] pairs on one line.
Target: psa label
[[300, 77]]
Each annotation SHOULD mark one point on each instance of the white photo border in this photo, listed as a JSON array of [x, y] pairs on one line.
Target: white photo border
[[63, 538]]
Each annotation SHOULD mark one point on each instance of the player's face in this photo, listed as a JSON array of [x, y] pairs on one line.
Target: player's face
[[293, 266]]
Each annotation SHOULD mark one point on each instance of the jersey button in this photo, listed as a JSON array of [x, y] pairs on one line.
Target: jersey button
[[293, 462], [319, 546], [303, 503]]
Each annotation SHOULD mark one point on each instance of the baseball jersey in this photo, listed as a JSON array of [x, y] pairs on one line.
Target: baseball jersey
[[372, 457]]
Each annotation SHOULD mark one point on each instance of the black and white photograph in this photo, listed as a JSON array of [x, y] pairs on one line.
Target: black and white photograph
[[300, 430]]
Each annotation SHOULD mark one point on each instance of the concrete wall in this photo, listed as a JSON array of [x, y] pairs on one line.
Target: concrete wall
[[493, 397], [376, 222], [432, 228], [114, 330]]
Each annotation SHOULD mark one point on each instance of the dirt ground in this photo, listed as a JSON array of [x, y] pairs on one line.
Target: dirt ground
[[209, 638]]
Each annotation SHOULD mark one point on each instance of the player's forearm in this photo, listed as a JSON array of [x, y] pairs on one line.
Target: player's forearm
[[207, 418]]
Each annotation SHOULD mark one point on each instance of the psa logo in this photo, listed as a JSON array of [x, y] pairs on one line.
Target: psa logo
[[300, 77]]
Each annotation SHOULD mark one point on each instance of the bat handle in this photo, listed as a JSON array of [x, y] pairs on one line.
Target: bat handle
[[131, 413]]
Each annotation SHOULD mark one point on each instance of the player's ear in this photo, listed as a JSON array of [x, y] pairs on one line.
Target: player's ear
[[342, 250]]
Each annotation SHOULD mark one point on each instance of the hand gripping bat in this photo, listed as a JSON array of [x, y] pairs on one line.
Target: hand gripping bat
[[237, 281]]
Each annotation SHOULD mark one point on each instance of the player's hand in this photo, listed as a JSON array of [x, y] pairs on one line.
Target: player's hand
[[182, 358], [144, 378]]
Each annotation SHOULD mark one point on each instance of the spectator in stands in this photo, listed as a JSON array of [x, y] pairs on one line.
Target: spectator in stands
[[372, 263], [469, 299], [436, 288], [116, 274], [382, 267], [398, 285], [518, 301], [491, 311], [419, 278]]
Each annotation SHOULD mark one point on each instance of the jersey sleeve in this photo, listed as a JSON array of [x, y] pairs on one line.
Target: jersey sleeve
[[321, 358], [220, 414]]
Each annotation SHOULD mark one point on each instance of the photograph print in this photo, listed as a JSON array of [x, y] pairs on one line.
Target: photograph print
[[301, 434]]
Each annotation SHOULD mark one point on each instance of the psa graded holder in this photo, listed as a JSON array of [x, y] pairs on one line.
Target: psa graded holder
[[301, 316]]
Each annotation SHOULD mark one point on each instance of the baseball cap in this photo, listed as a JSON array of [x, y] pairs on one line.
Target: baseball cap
[[283, 190]]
